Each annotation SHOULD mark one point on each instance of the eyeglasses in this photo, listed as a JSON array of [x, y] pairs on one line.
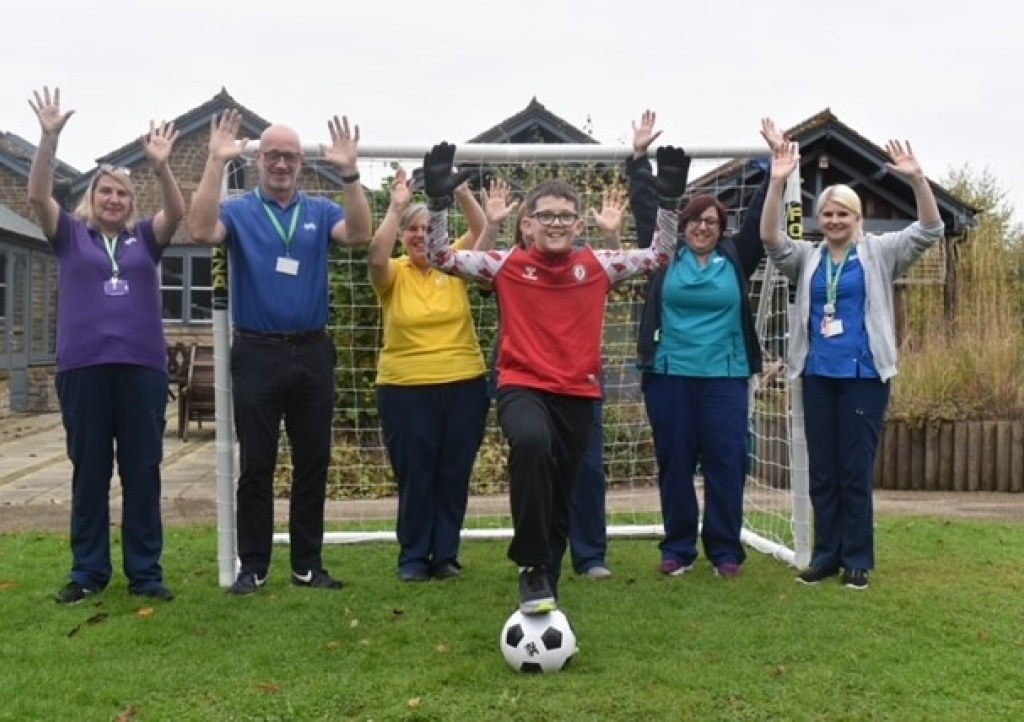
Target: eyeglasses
[[114, 170], [711, 223], [548, 218], [273, 157]]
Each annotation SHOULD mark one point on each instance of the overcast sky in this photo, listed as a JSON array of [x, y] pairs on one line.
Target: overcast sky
[[939, 73]]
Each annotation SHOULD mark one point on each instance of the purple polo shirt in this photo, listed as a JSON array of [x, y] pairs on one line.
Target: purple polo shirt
[[93, 327]]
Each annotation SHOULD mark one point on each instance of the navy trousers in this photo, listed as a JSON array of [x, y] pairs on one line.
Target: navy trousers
[[272, 380], [843, 423], [115, 411], [547, 435], [700, 420], [432, 434], [588, 532]]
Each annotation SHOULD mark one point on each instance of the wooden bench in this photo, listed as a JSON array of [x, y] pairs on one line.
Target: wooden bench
[[196, 396]]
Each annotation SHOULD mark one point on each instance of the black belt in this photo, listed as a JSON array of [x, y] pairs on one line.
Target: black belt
[[299, 338]]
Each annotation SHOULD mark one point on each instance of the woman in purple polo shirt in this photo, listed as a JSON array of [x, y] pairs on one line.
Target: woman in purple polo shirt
[[111, 353]]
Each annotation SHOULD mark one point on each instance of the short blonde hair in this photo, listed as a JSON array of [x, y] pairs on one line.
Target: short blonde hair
[[842, 194], [120, 176]]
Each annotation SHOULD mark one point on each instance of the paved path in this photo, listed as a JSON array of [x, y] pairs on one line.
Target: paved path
[[35, 486]]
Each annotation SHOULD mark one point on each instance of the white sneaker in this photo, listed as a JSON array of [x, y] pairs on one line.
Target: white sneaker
[[599, 572]]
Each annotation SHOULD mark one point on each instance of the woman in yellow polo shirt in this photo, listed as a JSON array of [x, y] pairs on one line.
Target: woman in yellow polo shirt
[[431, 384]]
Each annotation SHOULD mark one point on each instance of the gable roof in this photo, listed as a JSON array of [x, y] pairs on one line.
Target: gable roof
[[16, 154], [533, 124], [832, 152], [197, 118]]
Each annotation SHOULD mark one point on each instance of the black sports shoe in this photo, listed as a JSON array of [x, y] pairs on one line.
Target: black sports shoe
[[813, 575], [316, 579], [246, 583], [73, 593], [535, 595], [855, 579], [413, 574], [157, 592], [447, 570]]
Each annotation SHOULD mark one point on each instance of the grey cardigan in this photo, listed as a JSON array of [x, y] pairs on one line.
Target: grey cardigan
[[885, 258]]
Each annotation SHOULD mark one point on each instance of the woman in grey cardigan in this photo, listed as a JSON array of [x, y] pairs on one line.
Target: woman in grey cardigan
[[842, 343]]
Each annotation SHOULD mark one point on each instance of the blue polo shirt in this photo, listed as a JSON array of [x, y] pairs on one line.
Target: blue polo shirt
[[847, 355], [263, 298], [701, 320]]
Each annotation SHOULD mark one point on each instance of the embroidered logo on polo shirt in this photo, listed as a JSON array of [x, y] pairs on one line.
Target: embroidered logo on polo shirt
[[579, 272], [130, 240], [309, 226], [530, 273]]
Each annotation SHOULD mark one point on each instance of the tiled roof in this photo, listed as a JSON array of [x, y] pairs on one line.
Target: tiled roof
[[533, 120]]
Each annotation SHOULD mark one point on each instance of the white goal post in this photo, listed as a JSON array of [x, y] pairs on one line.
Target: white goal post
[[362, 502]]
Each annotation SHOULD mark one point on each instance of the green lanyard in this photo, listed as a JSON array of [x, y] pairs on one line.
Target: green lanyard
[[832, 284], [111, 245], [286, 237]]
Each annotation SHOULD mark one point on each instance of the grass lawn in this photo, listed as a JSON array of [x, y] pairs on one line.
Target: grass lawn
[[940, 635]]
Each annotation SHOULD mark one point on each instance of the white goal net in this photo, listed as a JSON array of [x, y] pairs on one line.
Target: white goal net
[[362, 499]]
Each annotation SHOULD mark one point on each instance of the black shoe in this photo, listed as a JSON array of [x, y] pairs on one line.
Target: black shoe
[[813, 575], [413, 574], [535, 595], [246, 583], [73, 593], [855, 579], [448, 570], [157, 592], [316, 579]]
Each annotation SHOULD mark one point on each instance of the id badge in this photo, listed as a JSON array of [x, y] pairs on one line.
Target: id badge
[[287, 266], [832, 328], [115, 287]]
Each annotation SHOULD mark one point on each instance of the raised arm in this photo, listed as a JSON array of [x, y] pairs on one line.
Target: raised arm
[[785, 159], [158, 145], [642, 196], [204, 223], [40, 177], [439, 182], [905, 165], [669, 186], [609, 219], [343, 155], [471, 210], [382, 246], [498, 205]]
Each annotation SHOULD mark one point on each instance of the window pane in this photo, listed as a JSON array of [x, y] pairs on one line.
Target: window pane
[[200, 271], [202, 305], [172, 304], [172, 271]]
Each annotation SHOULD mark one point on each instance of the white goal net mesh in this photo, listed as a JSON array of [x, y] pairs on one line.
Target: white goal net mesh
[[362, 499]]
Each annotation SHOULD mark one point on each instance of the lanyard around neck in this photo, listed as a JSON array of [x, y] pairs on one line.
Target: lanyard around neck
[[286, 237], [111, 245], [832, 284]]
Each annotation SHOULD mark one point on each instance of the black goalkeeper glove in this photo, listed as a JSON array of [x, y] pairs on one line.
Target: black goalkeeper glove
[[673, 169], [438, 180]]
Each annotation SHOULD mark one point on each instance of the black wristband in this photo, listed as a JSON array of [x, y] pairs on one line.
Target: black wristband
[[350, 178]]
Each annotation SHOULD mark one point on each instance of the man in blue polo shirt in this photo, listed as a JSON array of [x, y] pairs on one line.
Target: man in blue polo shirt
[[282, 359]]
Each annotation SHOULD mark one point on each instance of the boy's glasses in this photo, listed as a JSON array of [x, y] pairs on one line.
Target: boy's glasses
[[273, 157], [548, 218]]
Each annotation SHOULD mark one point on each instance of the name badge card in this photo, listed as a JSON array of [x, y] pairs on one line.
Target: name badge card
[[287, 266], [115, 287], [830, 328]]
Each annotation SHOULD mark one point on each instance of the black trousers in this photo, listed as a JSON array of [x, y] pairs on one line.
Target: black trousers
[[547, 435], [274, 379]]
